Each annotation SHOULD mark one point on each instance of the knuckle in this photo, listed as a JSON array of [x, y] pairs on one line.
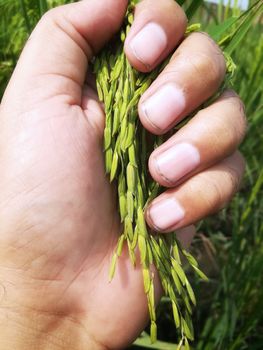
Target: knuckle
[[45, 23], [211, 42], [233, 171], [210, 193], [234, 177], [50, 15], [209, 56], [214, 195], [214, 49], [49, 20], [218, 192], [241, 164], [241, 114], [207, 68], [240, 124]]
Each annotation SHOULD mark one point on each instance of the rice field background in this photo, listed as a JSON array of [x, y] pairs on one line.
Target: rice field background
[[229, 246]]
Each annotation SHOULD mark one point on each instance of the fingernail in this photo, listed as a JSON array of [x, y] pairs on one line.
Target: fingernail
[[177, 161], [149, 44], [166, 213], [164, 107]]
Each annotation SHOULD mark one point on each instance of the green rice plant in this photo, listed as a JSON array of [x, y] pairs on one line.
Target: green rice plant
[[126, 152]]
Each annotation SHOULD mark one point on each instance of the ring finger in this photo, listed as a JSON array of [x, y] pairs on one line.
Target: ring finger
[[201, 195]]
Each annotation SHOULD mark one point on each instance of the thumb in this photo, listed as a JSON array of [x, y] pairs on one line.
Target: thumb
[[55, 59]]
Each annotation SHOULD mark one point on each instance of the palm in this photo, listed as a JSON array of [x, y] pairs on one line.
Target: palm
[[64, 173]]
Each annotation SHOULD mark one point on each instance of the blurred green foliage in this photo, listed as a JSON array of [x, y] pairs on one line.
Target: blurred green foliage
[[229, 246]]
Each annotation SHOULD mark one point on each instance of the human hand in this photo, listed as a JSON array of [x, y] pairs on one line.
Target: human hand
[[59, 220]]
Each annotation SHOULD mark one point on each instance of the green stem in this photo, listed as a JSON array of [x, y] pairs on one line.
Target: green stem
[[43, 7], [25, 15]]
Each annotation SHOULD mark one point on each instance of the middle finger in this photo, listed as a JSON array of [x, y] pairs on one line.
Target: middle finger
[[194, 74]]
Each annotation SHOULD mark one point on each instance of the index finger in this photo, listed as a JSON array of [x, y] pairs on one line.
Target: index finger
[[158, 27]]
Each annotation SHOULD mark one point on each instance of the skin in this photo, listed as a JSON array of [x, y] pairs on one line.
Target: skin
[[59, 223]]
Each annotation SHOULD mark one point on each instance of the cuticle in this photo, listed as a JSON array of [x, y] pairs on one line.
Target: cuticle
[[161, 174], [144, 109], [146, 65], [156, 228]]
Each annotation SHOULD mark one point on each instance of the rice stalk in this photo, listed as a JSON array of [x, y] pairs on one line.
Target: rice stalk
[[126, 152]]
